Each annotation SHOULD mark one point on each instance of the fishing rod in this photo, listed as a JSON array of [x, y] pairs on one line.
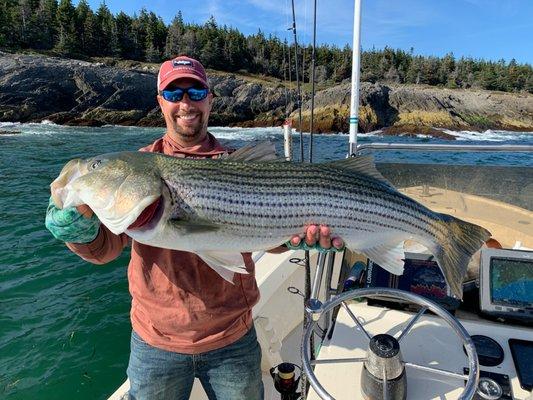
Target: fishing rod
[[313, 59], [299, 92], [311, 292]]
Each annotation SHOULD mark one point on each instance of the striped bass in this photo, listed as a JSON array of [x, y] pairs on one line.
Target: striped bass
[[221, 208]]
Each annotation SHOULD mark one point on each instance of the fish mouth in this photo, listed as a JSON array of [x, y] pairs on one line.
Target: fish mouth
[[59, 188], [147, 215]]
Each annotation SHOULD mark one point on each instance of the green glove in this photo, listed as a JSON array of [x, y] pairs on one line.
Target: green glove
[[317, 247], [68, 225]]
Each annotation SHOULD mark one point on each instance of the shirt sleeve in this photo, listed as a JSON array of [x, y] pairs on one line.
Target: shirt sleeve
[[104, 248]]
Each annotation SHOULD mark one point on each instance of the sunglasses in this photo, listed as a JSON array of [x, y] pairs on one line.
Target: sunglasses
[[194, 93]]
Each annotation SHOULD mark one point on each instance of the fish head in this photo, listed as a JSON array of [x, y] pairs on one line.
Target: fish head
[[116, 186]]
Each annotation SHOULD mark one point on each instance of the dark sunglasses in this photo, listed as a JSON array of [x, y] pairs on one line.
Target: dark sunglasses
[[194, 93]]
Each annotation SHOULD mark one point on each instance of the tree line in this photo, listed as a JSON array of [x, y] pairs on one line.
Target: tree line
[[61, 28]]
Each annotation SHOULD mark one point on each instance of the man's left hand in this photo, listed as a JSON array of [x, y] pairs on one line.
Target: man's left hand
[[317, 237]]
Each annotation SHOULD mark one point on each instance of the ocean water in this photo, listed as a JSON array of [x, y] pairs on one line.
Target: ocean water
[[64, 323]]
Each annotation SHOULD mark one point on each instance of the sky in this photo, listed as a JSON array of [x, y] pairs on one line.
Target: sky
[[488, 29]]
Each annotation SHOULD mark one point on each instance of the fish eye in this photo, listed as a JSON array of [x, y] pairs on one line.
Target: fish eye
[[95, 164]]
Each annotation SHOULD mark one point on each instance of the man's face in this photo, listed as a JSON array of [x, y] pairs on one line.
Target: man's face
[[186, 120]]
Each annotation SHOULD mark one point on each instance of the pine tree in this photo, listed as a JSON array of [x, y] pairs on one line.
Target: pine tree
[[139, 26], [211, 54], [84, 30], [66, 19], [156, 33], [487, 77], [126, 44], [24, 14], [8, 24], [447, 74], [107, 32], [173, 45], [46, 20], [191, 45]]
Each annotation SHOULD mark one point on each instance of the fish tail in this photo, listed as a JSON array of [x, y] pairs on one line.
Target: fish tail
[[457, 241]]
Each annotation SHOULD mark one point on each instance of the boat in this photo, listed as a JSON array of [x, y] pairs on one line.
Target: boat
[[358, 332]]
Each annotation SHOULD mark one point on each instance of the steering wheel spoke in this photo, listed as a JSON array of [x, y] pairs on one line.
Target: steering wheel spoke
[[411, 323], [339, 360], [438, 371], [385, 386], [356, 320]]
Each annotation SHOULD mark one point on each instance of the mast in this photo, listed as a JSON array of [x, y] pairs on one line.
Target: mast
[[356, 72]]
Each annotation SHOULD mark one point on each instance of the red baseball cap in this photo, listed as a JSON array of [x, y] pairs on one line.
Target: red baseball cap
[[178, 68]]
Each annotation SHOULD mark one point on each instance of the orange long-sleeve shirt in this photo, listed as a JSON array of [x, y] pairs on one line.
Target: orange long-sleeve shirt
[[178, 302]]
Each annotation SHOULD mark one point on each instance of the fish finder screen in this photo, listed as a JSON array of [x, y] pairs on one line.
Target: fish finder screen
[[511, 282]]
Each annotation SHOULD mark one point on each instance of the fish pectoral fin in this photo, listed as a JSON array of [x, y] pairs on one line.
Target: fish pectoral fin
[[195, 226], [225, 264], [388, 256]]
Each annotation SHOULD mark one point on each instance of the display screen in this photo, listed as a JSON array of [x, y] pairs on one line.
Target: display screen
[[522, 352], [511, 282]]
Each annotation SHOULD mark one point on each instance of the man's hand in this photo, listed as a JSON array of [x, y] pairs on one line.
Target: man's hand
[[320, 235], [85, 210], [72, 224], [315, 237]]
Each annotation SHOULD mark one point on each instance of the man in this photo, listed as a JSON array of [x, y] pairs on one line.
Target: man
[[187, 321]]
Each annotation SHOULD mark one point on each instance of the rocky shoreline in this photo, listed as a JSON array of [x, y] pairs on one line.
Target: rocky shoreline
[[73, 92]]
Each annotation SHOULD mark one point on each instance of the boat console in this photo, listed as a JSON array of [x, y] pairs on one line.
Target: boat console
[[496, 321]]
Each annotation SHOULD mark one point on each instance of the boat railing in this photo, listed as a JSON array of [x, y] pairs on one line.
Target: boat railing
[[444, 147]]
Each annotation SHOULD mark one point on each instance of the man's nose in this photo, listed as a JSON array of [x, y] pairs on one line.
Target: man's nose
[[185, 101]]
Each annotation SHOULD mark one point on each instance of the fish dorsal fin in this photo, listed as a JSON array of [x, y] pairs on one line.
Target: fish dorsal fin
[[363, 165], [262, 151]]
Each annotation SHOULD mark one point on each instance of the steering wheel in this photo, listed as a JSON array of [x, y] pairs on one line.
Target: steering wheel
[[315, 309]]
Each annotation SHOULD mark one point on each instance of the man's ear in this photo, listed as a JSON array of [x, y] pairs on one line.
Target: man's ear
[[160, 101]]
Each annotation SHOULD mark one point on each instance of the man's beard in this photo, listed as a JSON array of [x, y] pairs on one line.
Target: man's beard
[[192, 132]]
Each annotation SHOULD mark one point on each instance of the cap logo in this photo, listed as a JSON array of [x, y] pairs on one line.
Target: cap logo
[[180, 63]]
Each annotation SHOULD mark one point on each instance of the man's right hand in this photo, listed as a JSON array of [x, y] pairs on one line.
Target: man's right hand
[[72, 224]]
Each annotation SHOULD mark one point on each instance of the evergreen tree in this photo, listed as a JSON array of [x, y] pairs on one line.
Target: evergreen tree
[[85, 30], [211, 54], [190, 43], [126, 44], [414, 71], [66, 20], [46, 20], [173, 45], [8, 24], [487, 76], [447, 75], [106, 32], [139, 27], [156, 33]]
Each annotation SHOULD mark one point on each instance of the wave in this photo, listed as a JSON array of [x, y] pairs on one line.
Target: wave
[[491, 136], [9, 124], [48, 122]]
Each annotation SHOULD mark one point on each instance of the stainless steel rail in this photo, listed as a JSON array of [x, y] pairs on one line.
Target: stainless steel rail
[[445, 147]]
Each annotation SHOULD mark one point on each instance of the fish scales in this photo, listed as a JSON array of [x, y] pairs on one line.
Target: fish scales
[[310, 183], [224, 203]]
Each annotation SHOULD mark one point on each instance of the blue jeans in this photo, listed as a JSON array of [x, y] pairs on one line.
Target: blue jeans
[[230, 373]]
